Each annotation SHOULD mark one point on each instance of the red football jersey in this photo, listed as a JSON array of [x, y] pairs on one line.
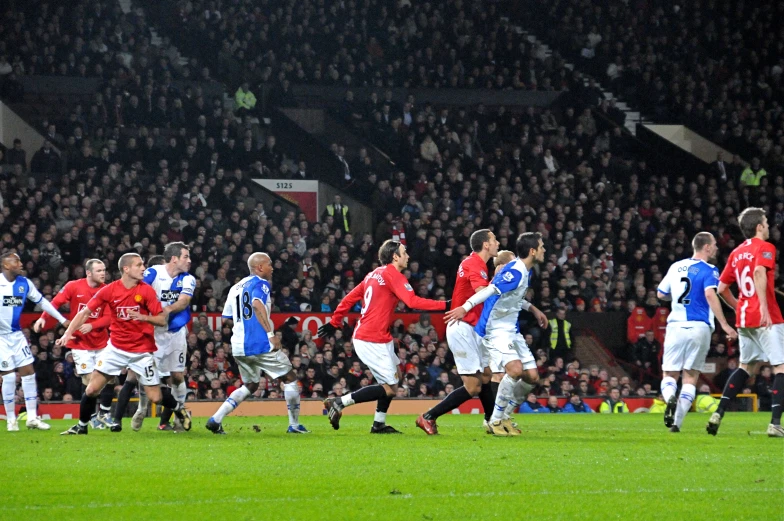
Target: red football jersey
[[129, 335], [740, 269], [381, 290], [78, 293], [471, 275]]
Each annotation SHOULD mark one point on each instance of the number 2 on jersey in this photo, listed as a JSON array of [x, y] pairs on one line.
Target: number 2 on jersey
[[683, 299]]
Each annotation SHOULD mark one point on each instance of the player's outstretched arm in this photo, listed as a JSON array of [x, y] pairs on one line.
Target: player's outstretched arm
[[403, 290], [75, 324], [61, 298], [354, 296], [715, 305], [477, 298]]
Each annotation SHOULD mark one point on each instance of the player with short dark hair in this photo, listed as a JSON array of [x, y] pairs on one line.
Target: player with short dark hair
[[504, 298], [471, 358], [15, 354], [381, 290], [759, 321]]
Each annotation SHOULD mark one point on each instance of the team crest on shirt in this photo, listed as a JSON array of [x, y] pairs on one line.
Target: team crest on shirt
[[483, 273], [137, 298], [21, 289], [408, 287], [4, 364], [84, 366], [100, 363], [179, 283]]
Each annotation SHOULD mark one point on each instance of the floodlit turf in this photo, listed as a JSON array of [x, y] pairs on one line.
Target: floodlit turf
[[562, 467]]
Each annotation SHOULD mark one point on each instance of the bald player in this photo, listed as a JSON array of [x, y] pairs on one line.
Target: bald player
[[254, 345]]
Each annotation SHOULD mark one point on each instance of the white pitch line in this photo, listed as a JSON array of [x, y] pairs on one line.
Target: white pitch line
[[235, 499]]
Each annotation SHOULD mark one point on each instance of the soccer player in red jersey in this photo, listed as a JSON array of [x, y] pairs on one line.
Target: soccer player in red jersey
[[760, 324], [471, 358], [381, 290], [134, 309], [88, 342]]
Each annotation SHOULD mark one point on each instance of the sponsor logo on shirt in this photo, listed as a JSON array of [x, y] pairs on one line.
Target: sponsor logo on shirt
[[169, 296], [13, 301], [94, 314], [123, 312]]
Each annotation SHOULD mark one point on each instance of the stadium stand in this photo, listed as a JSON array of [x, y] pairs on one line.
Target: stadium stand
[[150, 157]]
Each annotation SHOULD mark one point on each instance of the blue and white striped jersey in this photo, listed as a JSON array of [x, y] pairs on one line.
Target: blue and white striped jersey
[[169, 290], [501, 310], [13, 295], [686, 281], [248, 337]]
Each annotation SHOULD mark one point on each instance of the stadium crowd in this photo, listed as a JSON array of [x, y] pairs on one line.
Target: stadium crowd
[[685, 62], [147, 163]]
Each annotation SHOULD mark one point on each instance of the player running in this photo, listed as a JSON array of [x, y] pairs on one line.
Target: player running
[[90, 340], [471, 357], [691, 285], [498, 326], [758, 317], [381, 290], [254, 345], [15, 354], [134, 310]]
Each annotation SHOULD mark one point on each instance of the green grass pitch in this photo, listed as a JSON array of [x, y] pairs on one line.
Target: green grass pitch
[[562, 467]]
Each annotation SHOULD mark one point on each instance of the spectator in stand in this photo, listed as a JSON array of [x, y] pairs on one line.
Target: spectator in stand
[[17, 155], [244, 101], [552, 405], [646, 351], [614, 403], [561, 337], [531, 405], [576, 404]]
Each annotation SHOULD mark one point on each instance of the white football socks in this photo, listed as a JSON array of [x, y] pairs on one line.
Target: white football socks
[[291, 394], [231, 403], [30, 389], [9, 395], [505, 394], [521, 390], [669, 387], [688, 393], [180, 391]]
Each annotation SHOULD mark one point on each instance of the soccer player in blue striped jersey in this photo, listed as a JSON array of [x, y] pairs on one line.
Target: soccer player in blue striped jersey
[[174, 287], [498, 326], [15, 354], [691, 284], [254, 345]]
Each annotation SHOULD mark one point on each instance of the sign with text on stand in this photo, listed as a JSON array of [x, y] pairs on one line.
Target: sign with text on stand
[[302, 193]]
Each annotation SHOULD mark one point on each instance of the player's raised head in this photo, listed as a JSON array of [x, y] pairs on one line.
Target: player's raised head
[[754, 223], [503, 258], [260, 264], [131, 264], [530, 244], [95, 270], [156, 260], [704, 242], [177, 253], [391, 249], [482, 240]]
